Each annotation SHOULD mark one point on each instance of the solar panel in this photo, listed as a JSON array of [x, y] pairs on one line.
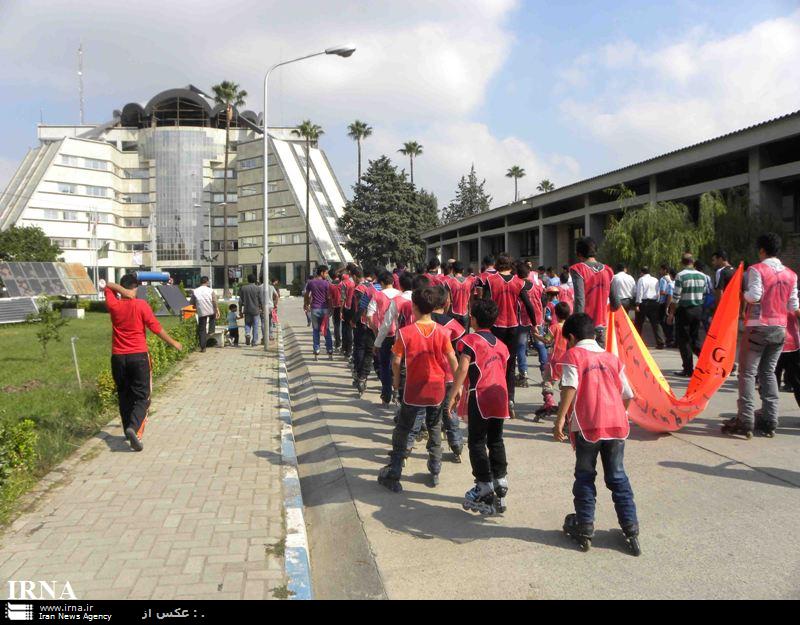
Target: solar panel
[[34, 279], [173, 297], [14, 310], [141, 293]]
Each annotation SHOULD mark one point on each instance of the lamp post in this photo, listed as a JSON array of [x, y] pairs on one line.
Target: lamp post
[[343, 51]]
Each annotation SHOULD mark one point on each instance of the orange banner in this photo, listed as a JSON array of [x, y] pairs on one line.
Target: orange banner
[[655, 407]]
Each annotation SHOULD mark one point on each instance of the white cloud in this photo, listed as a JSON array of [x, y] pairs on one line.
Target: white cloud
[[642, 101]]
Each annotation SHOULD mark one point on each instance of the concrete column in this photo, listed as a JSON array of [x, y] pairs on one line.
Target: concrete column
[[547, 245], [289, 273], [754, 178], [595, 227], [653, 189]]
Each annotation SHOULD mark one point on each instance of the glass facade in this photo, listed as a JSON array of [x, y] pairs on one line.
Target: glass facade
[[179, 154]]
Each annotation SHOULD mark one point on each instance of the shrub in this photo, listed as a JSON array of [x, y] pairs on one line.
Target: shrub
[[17, 447], [50, 323]]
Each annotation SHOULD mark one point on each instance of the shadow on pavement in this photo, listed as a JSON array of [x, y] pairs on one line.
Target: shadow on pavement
[[761, 475]]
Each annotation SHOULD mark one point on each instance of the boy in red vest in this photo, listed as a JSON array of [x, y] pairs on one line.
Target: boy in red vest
[[770, 293], [376, 314], [591, 284], [425, 348], [450, 422], [594, 396], [481, 393], [557, 347], [460, 288]]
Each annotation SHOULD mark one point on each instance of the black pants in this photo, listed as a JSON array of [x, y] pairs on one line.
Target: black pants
[[688, 321], [368, 358], [649, 310], [347, 332], [358, 347], [131, 373], [485, 434], [406, 417], [234, 334], [789, 366], [669, 330], [202, 332], [337, 327], [509, 338]]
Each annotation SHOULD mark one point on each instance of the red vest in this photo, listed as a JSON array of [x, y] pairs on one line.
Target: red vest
[[426, 365], [596, 288], [334, 295], [460, 292], [405, 312], [349, 289], [792, 342], [566, 294], [506, 296], [489, 390], [454, 331], [382, 303], [436, 279], [365, 288], [557, 351], [777, 288], [598, 408], [535, 298]]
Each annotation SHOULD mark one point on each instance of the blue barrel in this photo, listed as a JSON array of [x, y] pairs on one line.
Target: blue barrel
[[152, 276]]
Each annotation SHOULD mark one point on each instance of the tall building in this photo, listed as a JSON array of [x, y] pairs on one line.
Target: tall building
[[761, 162], [146, 190]]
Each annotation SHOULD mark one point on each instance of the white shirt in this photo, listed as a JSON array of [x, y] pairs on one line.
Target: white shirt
[[646, 288], [390, 318], [372, 308], [622, 286], [204, 301], [569, 377]]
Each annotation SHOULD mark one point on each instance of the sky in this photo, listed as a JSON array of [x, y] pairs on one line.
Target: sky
[[567, 90]]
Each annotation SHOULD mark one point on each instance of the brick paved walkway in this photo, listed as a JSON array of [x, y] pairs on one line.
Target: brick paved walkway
[[197, 514]]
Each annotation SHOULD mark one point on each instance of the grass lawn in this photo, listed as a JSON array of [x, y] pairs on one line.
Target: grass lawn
[[45, 389]]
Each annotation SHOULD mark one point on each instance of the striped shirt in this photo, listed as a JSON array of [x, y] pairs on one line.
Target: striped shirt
[[689, 288]]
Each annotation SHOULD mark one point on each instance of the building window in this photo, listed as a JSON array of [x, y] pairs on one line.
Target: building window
[[250, 216], [249, 190], [250, 163], [217, 173], [218, 197], [217, 246], [64, 187], [142, 246], [52, 214], [69, 244], [232, 221], [72, 161], [96, 191], [72, 216], [93, 163], [137, 222], [315, 186], [252, 242], [277, 212], [138, 173]]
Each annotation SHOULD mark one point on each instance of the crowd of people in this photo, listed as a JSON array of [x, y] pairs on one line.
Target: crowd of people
[[449, 343]]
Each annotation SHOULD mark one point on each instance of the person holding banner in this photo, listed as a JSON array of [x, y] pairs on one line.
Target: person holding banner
[[770, 293]]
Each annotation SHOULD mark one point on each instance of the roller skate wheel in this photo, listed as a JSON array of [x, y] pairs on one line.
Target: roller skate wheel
[[633, 544]]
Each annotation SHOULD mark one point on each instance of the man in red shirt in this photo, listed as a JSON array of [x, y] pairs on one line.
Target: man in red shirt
[[130, 360]]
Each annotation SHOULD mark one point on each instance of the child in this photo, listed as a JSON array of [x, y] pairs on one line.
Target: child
[[482, 372], [425, 348], [233, 325], [557, 347], [450, 423], [596, 394]]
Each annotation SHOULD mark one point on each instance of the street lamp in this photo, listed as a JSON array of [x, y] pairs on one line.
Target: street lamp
[[343, 51]]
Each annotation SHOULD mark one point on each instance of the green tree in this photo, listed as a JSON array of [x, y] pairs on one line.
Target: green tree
[[49, 323], [411, 149], [545, 186], [471, 199], [516, 172], [385, 217], [229, 95], [311, 133], [358, 131], [27, 244]]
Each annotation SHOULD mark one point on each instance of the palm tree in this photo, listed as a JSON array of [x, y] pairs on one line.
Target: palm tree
[[311, 133], [411, 149], [545, 186], [357, 131], [516, 172], [228, 94]]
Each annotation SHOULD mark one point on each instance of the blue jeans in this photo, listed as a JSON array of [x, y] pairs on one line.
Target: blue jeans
[[385, 359], [541, 349], [317, 316], [252, 326], [584, 491], [522, 350]]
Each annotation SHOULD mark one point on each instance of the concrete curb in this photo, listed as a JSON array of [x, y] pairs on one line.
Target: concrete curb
[[297, 564]]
